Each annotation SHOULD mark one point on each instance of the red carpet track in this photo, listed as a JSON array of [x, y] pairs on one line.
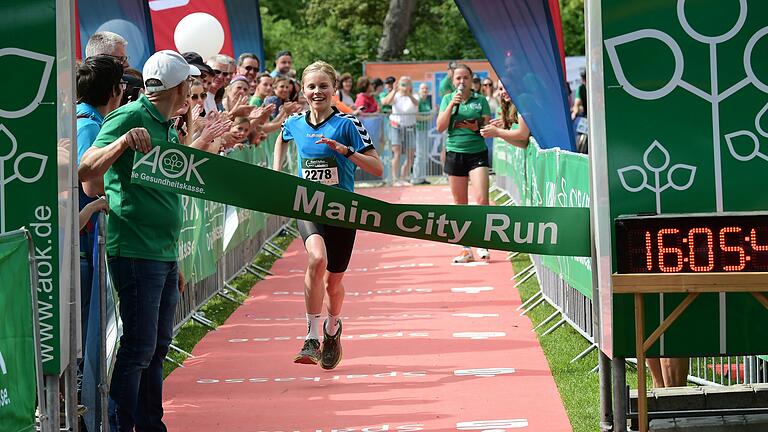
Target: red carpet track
[[427, 346]]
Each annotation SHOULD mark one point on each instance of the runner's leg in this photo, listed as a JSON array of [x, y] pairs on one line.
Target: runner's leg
[[479, 179]]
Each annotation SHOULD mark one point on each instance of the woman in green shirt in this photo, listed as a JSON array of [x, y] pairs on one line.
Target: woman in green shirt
[[510, 125], [463, 113]]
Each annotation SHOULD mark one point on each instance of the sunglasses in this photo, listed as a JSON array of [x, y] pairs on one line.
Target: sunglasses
[[251, 68], [201, 96], [217, 72], [487, 85], [120, 59]]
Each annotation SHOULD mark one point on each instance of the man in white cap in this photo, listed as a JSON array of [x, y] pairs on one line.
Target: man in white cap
[[142, 240]]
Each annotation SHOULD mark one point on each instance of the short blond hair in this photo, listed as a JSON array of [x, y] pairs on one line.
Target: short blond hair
[[320, 66]]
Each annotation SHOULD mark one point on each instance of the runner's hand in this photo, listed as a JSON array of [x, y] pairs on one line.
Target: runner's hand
[[137, 139], [333, 145]]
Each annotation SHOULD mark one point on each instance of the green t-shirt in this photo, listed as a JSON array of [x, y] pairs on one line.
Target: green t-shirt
[[384, 108], [425, 106], [446, 86], [464, 140], [142, 222], [256, 101]]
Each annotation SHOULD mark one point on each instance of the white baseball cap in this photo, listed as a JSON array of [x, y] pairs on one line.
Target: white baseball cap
[[166, 69]]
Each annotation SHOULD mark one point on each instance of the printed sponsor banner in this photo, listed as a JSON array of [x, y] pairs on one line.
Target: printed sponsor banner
[[550, 178], [36, 145], [195, 173], [17, 343]]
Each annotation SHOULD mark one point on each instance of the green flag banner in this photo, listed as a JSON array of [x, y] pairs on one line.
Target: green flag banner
[[187, 171], [17, 342]]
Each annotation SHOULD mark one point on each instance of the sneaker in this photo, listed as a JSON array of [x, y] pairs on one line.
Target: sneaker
[[310, 352], [483, 254], [420, 182], [331, 354], [465, 257]]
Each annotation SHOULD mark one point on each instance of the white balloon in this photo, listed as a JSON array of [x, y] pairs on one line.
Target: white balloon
[[199, 32]]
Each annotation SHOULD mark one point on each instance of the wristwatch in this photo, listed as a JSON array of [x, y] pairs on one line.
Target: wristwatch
[[350, 151]]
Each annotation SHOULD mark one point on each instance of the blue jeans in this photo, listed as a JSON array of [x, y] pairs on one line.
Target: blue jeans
[[148, 291]]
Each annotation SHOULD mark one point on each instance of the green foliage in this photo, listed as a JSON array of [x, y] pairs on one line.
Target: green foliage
[[572, 13], [346, 33], [439, 32]]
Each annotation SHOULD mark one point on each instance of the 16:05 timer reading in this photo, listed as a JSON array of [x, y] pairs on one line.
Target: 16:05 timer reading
[[698, 243]]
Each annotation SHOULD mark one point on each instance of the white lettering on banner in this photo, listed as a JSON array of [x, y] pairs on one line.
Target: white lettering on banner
[[442, 222], [172, 163], [45, 312], [302, 203], [3, 369], [491, 227]]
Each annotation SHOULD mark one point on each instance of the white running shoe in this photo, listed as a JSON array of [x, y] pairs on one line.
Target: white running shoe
[[483, 254], [465, 257]]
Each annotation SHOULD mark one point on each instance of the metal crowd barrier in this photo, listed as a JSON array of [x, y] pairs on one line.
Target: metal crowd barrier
[[420, 137], [232, 264]]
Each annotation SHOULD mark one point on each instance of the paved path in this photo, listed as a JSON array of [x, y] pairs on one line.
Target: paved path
[[427, 346]]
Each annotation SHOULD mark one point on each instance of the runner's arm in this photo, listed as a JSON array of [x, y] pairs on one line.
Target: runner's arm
[[279, 154]]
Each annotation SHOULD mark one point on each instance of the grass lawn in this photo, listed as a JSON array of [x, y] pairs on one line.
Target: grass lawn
[[218, 309]]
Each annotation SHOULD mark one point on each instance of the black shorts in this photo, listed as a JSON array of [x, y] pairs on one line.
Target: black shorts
[[339, 243], [460, 164]]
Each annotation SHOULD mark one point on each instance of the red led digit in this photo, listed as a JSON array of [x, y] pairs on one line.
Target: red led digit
[[737, 249], [692, 250], [663, 250], [648, 253], [753, 242]]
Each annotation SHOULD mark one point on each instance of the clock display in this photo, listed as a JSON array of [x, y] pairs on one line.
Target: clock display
[[697, 243]]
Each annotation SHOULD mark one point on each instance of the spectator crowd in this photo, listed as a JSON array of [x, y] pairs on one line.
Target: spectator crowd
[[219, 105]]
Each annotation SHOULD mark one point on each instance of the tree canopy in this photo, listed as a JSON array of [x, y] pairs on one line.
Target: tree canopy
[[346, 33]]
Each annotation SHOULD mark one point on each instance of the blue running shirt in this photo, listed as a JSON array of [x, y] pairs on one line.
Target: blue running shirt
[[318, 162]]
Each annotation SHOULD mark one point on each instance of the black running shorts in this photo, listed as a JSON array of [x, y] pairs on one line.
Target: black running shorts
[[460, 164], [339, 243]]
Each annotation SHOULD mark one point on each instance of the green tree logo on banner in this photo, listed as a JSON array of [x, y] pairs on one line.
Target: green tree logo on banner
[[28, 167], [714, 97], [32, 105]]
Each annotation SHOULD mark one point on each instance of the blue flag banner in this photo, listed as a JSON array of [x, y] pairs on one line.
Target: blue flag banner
[[245, 28], [128, 18], [518, 37]]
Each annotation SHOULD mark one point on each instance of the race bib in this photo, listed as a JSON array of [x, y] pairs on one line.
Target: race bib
[[321, 170]]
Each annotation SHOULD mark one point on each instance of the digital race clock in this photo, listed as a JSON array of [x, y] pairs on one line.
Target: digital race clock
[[692, 243]]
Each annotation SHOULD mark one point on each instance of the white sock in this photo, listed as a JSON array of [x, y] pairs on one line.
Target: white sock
[[315, 322], [333, 325]]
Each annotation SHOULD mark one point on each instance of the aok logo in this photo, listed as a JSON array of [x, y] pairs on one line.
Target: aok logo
[[172, 163]]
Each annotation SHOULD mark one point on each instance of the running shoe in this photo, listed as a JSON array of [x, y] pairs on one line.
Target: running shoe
[[465, 257], [483, 254], [310, 352], [331, 354]]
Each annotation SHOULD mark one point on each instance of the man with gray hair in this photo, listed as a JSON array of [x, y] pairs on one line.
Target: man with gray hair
[[108, 44], [223, 67]]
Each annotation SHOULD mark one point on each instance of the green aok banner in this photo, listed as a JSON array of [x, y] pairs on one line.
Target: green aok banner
[[678, 93], [195, 173], [36, 180], [17, 341]]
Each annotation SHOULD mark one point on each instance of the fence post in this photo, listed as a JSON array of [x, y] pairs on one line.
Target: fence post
[[103, 383]]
